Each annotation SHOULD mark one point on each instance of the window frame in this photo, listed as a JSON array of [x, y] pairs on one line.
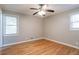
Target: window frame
[[75, 29], [4, 24]]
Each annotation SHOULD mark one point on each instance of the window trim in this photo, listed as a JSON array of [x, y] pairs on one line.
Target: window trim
[[75, 29], [5, 25]]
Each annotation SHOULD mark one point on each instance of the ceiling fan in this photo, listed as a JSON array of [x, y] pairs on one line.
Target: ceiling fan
[[41, 10]]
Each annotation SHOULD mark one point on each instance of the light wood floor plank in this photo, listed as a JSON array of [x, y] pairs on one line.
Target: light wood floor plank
[[40, 47]]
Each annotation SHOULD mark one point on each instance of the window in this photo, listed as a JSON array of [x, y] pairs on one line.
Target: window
[[75, 22], [10, 24]]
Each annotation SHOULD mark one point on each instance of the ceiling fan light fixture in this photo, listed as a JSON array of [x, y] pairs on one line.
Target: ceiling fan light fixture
[[44, 7], [41, 13], [42, 10]]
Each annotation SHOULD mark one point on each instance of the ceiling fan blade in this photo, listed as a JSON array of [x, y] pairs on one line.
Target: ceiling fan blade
[[50, 10], [41, 4], [35, 13], [34, 8]]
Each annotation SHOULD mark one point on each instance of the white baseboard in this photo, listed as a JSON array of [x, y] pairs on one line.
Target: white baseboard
[[21, 42], [0, 46], [63, 43], [39, 39]]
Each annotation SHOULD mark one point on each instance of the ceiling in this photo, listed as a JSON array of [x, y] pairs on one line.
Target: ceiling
[[25, 8]]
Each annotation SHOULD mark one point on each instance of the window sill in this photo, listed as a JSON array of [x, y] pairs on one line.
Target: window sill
[[10, 35]]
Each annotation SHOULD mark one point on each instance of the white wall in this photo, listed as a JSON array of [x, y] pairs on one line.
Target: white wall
[[0, 28], [57, 28], [29, 27]]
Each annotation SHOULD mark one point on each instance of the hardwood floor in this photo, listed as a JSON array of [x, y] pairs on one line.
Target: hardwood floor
[[40, 47], [0, 51]]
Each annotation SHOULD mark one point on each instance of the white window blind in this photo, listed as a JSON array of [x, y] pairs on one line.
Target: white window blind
[[75, 22], [10, 24]]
